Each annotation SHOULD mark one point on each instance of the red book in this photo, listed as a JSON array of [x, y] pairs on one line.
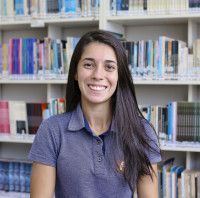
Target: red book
[[4, 117]]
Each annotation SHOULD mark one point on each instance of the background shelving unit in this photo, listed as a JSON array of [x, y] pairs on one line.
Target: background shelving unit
[[181, 26]]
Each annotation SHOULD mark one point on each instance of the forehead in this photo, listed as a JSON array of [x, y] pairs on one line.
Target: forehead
[[99, 50]]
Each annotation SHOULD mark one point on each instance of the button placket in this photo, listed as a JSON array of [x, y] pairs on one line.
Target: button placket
[[98, 156]]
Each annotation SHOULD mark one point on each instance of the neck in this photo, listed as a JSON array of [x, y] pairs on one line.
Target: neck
[[99, 116]]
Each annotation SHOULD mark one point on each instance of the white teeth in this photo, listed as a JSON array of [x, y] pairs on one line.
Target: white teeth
[[96, 88]]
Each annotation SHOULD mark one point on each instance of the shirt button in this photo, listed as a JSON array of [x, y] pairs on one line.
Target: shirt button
[[98, 142], [99, 159]]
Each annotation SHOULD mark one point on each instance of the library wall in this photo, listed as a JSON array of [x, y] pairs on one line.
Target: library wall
[[160, 94]]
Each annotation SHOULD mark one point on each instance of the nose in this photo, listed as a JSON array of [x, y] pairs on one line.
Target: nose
[[98, 72]]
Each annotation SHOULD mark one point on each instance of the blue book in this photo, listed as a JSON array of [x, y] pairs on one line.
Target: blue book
[[1, 61], [19, 7], [70, 5], [149, 57], [5, 7], [24, 54], [6, 176], [22, 177], [11, 176], [149, 113], [170, 121], [28, 55], [31, 55], [119, 5], [16, 176], [1, 175], [75, 41], [27, 176], [15, 56], [59, 5]]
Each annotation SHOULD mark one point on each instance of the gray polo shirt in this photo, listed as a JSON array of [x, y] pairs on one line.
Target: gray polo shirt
[[82, 169]]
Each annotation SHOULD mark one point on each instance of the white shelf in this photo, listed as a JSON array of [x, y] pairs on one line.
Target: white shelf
[[137, 82], [26, 139], [13, 195], [180, 146], [47, 81], [72, 22], [154, 19], [176, 148], [63, 22], [166, 82]]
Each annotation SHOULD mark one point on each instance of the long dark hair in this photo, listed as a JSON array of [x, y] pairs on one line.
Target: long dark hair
[[131, 136]]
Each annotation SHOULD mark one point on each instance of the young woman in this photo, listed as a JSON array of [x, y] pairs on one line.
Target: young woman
[[102, 147]]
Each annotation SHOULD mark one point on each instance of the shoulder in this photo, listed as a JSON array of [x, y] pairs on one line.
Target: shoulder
[[149, 130], [147, 125], [61, 119]]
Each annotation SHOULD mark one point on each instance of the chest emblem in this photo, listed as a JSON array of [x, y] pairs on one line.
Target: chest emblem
[[121, 166]]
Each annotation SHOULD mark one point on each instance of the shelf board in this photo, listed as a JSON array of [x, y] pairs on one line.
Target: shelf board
[[17, 139], [154, 19], [13, 195], [61, 22], [49, 81], [136, 82], [166, 82], [73, 22], [177, 148]]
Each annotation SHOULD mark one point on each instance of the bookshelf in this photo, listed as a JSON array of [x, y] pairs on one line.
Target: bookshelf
[[183, 26]]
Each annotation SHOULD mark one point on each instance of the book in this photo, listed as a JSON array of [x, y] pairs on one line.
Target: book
[[4, 117], [18, 117]]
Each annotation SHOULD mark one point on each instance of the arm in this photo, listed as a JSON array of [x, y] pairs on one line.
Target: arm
[[43, 180], [146, 188]]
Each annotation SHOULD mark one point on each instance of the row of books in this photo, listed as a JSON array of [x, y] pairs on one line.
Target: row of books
[[177, 121], [15, 175], [34, 58], [165, 58], [19, 117], [22, 9], [131, 7], [177, 182]]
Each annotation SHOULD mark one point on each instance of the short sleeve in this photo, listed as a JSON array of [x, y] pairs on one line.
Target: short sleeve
[[153, 152], [44, 148]]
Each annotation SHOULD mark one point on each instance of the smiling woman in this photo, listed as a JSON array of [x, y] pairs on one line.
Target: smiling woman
[[102, 146], [97, 75]]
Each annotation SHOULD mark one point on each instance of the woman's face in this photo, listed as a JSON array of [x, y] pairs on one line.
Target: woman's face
[[97, 73]]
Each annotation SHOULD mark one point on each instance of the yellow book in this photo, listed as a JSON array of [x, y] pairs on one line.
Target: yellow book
[[4, 60]]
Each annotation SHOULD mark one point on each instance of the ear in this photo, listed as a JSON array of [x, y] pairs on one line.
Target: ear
[[76, 76]]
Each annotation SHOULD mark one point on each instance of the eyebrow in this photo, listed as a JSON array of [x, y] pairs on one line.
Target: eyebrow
[[92, 59]]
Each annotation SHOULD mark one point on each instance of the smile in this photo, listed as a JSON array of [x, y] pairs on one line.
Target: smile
[[97, 88]]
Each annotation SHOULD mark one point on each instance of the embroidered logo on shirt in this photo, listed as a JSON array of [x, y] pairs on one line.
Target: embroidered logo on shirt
[[121, 166]]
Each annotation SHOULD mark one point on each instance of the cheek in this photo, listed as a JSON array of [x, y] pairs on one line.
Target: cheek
[[114, 80]]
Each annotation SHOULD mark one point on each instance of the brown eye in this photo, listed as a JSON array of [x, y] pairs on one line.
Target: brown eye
[[88, 65], [110, 67]]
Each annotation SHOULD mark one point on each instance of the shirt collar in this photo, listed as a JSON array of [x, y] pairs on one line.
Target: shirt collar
[[87, 127], [77, 121]]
